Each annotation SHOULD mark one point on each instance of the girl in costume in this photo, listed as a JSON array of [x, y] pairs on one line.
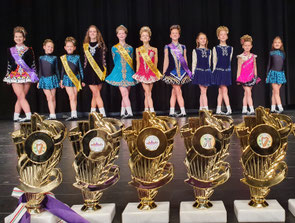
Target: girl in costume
[[49, 74], [201, 59], [175, 69], [247, 73], [95, 66], [275, 73], [21, 72], [122, 73], [71, 75], [146, 67], [222, 56]]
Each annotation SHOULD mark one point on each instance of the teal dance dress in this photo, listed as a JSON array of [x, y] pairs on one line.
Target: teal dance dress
[[122, 73]]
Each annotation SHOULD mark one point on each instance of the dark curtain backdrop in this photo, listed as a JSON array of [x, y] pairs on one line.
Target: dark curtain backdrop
[[57, 19]]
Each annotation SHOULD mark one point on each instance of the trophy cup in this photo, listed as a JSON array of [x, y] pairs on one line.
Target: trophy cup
[[39, 148], [96, 144], [150, 143], [264, 140], [206, 139]]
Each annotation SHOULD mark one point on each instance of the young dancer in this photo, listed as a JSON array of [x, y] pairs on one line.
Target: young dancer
[[121, 75], [21, 72], [222, 55], [275, 73], [146, 67], [95, 66], [201, 62], [247, 73], [48, 74], [175, 70], [71, 75]]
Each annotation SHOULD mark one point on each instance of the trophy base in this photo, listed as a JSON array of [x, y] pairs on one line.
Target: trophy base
[[104, 215], [291, 205], [160, 214], [272, 213], [44, 217], [189, 214]]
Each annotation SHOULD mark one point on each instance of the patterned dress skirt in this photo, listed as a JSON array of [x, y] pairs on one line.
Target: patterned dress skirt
[[48, 83], [276, 77]]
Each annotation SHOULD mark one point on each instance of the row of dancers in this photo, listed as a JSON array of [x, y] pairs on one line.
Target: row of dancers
[[209, 67]]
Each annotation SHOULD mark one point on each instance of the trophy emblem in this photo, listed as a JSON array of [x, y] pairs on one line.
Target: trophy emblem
[[39, 148], [264, 143], [150, 143], [96, 144], [206, 140]]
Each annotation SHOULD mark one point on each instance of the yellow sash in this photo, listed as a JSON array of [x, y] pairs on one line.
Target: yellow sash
[[70, 73], [124, 54], [93, 63], [149, 62]]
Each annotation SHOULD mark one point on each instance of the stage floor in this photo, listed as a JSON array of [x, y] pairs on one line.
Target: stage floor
[[121, 193]]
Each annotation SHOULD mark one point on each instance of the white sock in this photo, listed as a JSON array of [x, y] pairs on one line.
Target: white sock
[[228, 108], [218, 109], [122, 111], [92, 109], [146, 109], [152, 110], [206, 108], [129, 111], [182, 110], [15, 116], [28, 115], [74, 114], [244, 110], [251, 109], [201, 108], [280, 108], [53, 116], [102, 111], [273, 108], [172, 111]]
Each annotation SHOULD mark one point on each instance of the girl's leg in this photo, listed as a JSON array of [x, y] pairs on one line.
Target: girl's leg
[[96, 97], [244, 110], [50, 96], [219, 100], [20, 91], [148, 95], [146, 104], [151, 103], [179, 98], [248, 91], [276, 95], [72, 93], [203, 97], [226, 98], [125, 98], [172, 102]]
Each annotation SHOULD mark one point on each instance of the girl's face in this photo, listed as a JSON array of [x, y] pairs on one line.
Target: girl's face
[[121, 35], [277, 44], [145, 37], [92, 33], [48, 48], [222, 36], [202, 40], [19, 38], [70, 48], [247, 46], [174, 34]]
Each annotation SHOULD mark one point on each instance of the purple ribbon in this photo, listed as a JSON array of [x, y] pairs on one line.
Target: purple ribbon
[[55, 207], [23, 65], [180, 57]]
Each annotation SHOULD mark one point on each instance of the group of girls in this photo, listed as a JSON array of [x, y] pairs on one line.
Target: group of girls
[[208, 68]]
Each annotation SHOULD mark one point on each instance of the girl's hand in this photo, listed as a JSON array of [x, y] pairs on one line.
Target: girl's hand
[[61, 84], [83, 84], [238, 83], [38, 85]]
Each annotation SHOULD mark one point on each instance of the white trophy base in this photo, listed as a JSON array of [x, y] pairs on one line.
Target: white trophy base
[[44, 217], [273, 213], [190, 214], [104, 215], [160, 214], [291, 205]]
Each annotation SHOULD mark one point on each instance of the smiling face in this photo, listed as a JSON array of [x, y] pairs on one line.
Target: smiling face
[[174, 35], [121, 35], [145, 37], [277, 43], [222, 36], [19, 38], [92, 34], [202, 40], [70, 48], [48, 48], [247, 46]]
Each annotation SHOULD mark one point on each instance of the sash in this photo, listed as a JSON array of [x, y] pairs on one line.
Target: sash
[[149, 62], [70, 73], [124, 54], [101, 75], [19, 61], [181, 59]]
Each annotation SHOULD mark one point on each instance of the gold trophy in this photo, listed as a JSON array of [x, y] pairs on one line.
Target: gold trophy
[[264, 143], [150, 143], [206, 139], [39, 148], [96, 144]]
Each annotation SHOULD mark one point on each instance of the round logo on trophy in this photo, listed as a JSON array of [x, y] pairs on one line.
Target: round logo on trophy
[[264, 140], [152, 143], [97, 144], [207, 141], [39, 147]]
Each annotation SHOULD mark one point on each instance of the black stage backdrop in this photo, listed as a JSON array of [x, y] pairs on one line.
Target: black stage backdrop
[[57, 19]]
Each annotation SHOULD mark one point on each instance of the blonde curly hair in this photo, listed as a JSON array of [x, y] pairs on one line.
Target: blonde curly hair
[[145, 29], [71, 40], [221, 28], [246, 38], [20, 29]]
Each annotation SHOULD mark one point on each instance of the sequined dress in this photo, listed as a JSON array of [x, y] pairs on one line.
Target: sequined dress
[[275, 68], [75, 65], [48, 72]]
